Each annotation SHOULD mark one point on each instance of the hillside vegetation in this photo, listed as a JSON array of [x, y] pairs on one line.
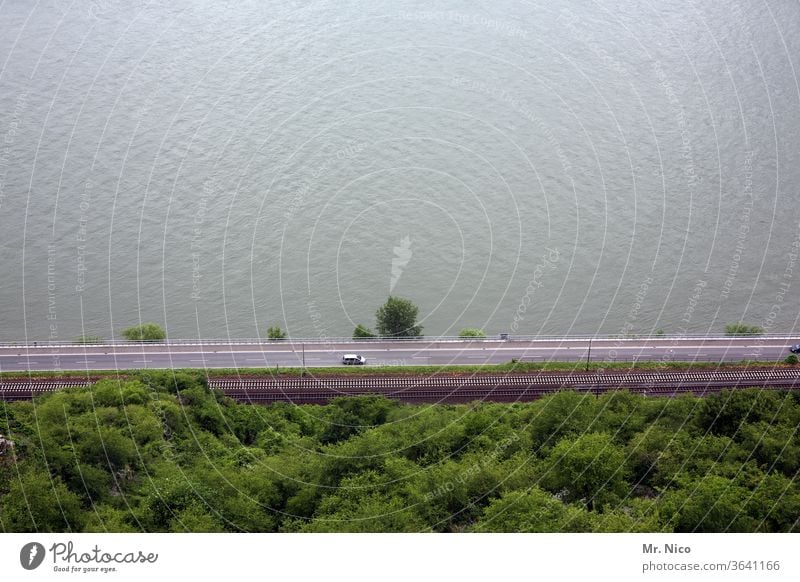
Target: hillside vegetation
[[160, 452]]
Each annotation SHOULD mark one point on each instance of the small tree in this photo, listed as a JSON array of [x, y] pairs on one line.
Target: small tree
[[145, 332], [398, 318], [361, 332], [89, 339], [740, 328], [791, 360], [471, 332], [276, 333]]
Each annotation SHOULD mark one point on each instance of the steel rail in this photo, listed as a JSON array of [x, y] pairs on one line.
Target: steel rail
[[512, 387]]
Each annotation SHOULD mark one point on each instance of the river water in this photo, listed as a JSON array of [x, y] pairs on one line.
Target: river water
[[527, 167]]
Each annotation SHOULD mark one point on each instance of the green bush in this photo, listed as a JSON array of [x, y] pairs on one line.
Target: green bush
[[471, 332], [144, 332], [362, 332], [276, 333], [740, 328], [89, 339], [791, 360]]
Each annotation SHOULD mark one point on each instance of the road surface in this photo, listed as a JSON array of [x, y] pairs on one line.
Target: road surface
[[387, 353]]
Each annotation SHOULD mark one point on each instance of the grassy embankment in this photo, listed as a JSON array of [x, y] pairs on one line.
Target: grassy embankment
[[508, 368]]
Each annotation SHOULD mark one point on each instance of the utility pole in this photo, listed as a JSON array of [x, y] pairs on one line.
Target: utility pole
[[304, 357], [589, 354]]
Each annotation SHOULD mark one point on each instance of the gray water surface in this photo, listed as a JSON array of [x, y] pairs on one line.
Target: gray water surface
[[532, 167]]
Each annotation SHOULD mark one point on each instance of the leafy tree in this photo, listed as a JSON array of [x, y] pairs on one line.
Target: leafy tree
[[107, 448], [657, 454], [710, 504], [362, 332], [398, 318], [621, 414], [351, 415], [457, 490], [772, 445], [38, 502], [590, 468], [172, 381], [632, 516], [364, 503], [533, 511], [106, 519], [726, 412], [471, 332], [205, 410], [276, 333], [775, 503], [196, 518], [168, 496], [145, 332], [740, 328], [564, 413]]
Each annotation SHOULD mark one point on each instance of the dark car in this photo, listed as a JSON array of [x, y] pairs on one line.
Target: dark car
[[795, 349]]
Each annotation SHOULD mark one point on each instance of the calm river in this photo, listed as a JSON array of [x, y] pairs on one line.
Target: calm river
[[533, 167]]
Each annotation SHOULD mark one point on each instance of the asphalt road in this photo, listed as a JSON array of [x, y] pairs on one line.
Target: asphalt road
[[387, 353]]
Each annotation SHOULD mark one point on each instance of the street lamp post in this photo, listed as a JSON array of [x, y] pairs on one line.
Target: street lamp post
[[589, 354]]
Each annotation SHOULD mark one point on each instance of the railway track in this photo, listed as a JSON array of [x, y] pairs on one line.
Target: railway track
[[453, 389]]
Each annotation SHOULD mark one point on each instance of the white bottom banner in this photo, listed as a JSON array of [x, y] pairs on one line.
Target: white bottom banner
[[356, 557]]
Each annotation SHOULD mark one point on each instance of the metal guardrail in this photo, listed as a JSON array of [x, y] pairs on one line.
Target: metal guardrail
[[424, 339]]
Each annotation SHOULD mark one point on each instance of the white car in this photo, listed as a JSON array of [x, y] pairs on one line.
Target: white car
[[353, 360]]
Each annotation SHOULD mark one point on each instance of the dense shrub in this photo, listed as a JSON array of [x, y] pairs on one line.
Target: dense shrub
[[161, 452]]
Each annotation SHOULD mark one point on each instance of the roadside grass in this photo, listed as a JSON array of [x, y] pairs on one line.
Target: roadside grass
[[507, 368]]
